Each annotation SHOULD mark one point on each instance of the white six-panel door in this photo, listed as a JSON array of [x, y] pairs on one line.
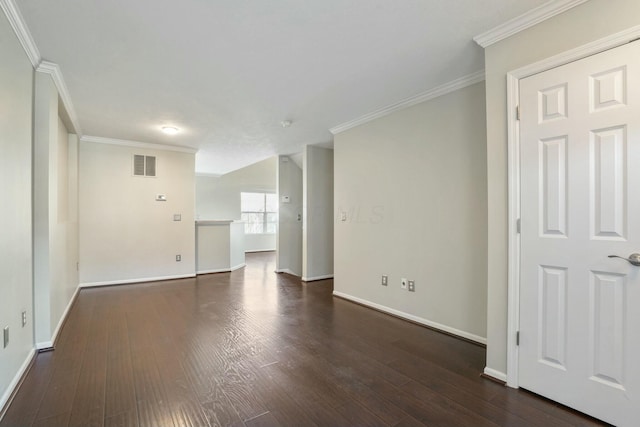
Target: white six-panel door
[[580, 203]]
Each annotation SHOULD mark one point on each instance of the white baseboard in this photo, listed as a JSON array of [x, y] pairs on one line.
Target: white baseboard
[[495, 374], [8, 393], [44, 344], [238, 267], [49, 344], [222, 270], [140, 280], [313, 279], [417, 319], [219, 270], [287, 271], [63, 318]]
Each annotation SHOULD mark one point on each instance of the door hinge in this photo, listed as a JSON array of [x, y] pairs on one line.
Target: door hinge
[[518, 226], [518, 338], [517, 112]]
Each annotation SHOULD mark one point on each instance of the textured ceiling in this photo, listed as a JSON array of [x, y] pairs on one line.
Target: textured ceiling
[[227, 73]]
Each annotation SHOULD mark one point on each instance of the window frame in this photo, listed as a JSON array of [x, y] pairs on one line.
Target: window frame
[[265, 213]]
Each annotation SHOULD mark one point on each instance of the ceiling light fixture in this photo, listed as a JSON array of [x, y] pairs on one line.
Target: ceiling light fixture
[[285, 123], [169, 130]]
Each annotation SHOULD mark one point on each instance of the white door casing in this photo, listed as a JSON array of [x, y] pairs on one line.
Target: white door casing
[[579, 309]]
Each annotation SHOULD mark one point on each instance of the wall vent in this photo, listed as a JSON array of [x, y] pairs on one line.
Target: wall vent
[[144, 165]]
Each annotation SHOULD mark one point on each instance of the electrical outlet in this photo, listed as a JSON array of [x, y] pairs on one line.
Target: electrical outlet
[[5, 336], [178, 258], [24, 318], [403, 283], [177, 217], [412, 286], [385, 280]]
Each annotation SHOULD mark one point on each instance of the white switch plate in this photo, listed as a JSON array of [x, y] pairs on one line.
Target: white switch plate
[[285, 199], [403, 283], [343, 216]]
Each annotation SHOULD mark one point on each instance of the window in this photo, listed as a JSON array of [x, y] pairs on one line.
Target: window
[[259, 212]]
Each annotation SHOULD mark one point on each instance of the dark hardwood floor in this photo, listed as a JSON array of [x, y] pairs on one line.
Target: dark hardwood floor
[[252, 348]]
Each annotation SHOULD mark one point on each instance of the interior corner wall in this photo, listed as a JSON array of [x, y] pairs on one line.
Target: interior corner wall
[[55, 228], [16, 124], [412, 188], [578, 26], [45, 158], [289, 235], [318, 216], [63, 228], [125, 234], [218, 198]]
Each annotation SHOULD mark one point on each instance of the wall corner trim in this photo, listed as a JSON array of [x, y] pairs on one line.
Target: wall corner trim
[[435, 92], [21, 30], [520, 23], [137, 144], [495, 374], [53, 70], [11, 390], [431, 324]]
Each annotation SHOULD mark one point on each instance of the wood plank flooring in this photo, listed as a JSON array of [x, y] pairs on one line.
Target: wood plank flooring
[[252, 348]]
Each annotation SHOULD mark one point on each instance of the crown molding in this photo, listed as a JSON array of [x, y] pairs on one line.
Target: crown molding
[[137, 144], [524, 21], [208, 175], [54, 71], [22, 31], [437, 91]]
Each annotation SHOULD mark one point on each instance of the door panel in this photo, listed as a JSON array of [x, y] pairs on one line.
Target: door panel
[[579, 309]]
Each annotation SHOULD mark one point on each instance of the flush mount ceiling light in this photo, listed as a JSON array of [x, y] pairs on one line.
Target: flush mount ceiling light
[[170, 130], [285, 123]]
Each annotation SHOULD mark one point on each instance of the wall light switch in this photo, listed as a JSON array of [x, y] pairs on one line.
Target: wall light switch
[[5, 336], [161, 198], [285, 199], [343, 216], [177, 217], [403, 283]]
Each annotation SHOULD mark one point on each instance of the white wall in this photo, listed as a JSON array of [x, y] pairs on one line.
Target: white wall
[[55, 212], [16, 92], [412, 186], [44, 204], [219, 197], [125, 234], [588, 22], [289, 236], [64, 225], [317, 226]]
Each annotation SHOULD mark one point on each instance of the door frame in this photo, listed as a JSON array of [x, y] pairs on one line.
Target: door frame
[[513, 171]]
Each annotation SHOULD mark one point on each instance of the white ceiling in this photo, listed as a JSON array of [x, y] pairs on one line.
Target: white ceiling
[[228, 72]]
